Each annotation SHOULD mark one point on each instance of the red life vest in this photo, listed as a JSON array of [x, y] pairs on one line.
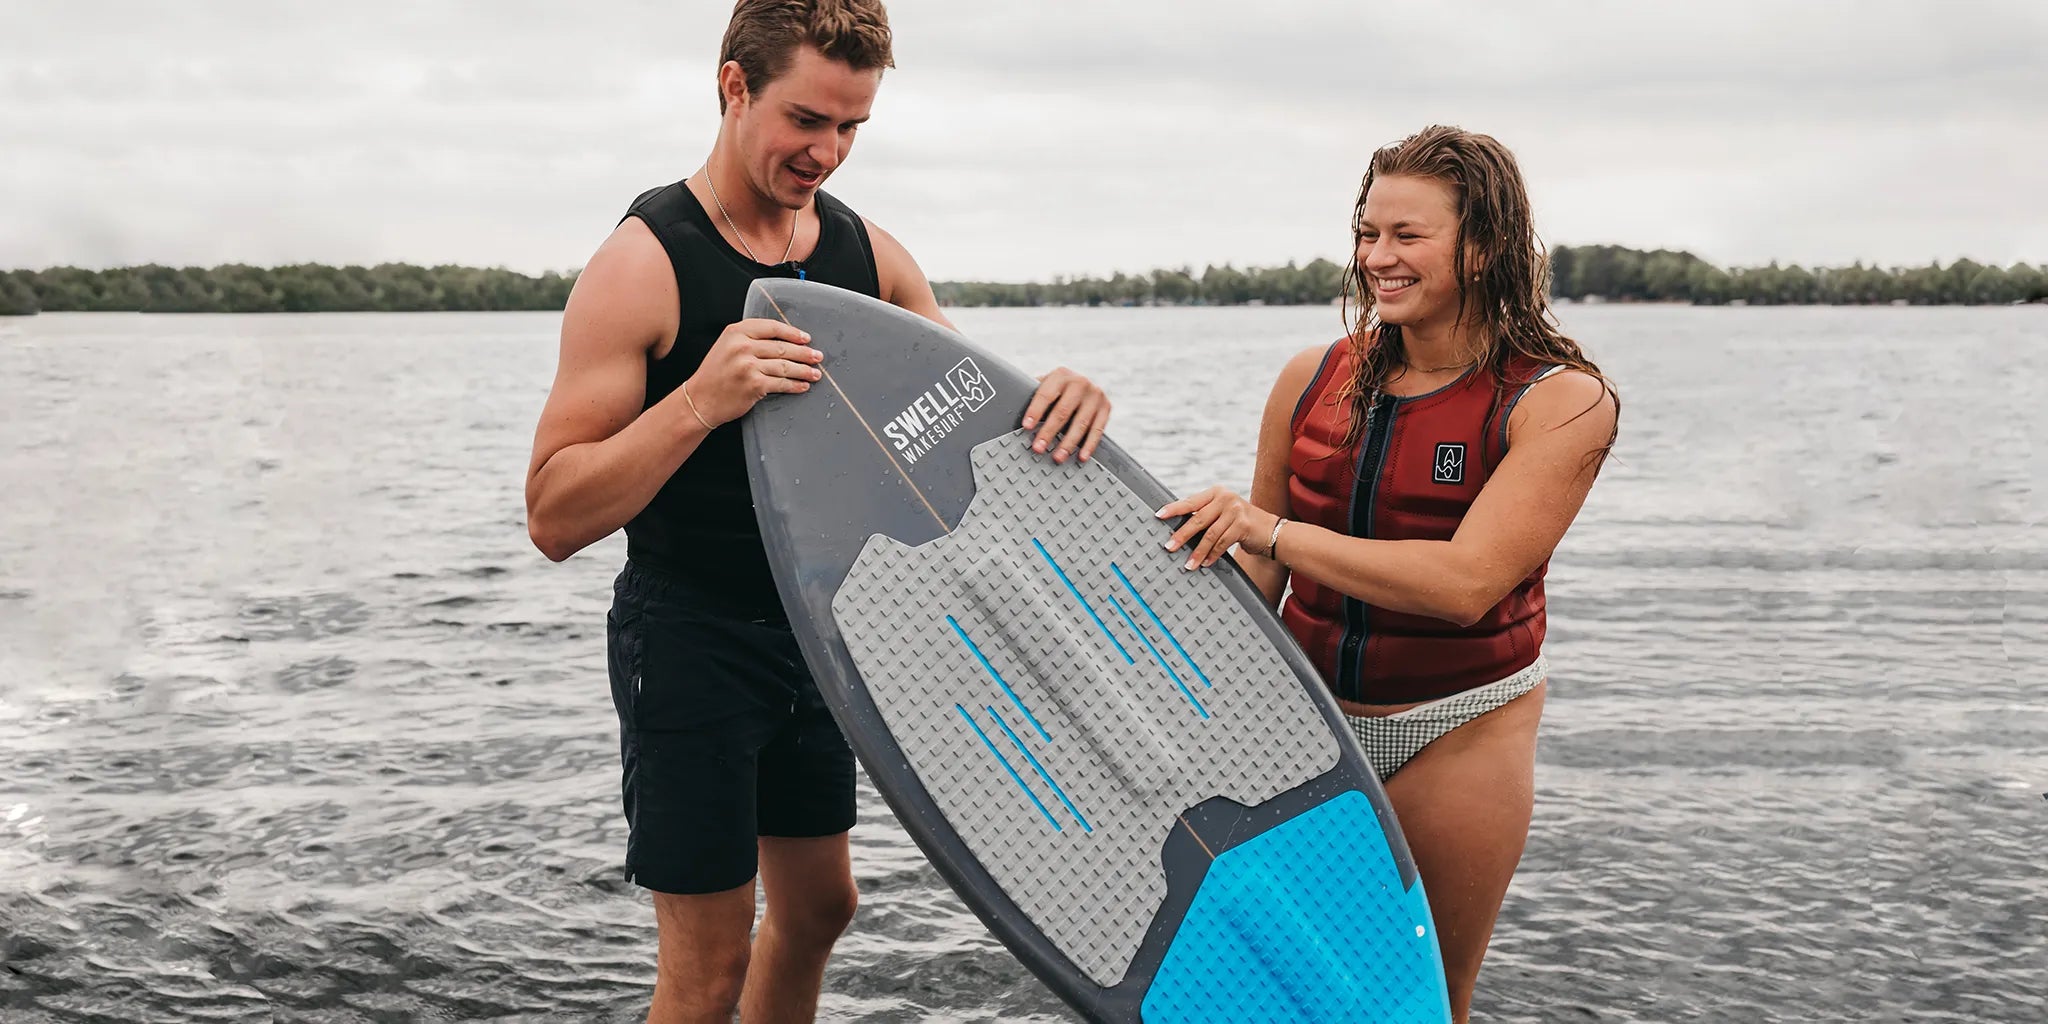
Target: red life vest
[[1412, 476]]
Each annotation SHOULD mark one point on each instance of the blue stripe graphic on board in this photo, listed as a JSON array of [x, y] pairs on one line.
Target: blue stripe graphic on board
[[1040, 769], [998, 677], [1170, 673], [1005, 762], [1170, 638], [1085, 606]]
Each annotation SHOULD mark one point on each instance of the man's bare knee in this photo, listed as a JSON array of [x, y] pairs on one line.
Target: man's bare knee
[[713, 985], [704, 952], [811, 893], [819, 915]]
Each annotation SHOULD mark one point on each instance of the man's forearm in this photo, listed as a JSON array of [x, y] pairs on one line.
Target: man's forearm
[[586, 491]]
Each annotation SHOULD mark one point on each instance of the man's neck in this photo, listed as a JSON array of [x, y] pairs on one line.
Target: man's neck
[[750, 212]]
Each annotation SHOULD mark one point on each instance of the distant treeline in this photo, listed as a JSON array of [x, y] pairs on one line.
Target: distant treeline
[[303, 288], [1580, 273], [1598, 272], [1291, 285], [1616, 274]]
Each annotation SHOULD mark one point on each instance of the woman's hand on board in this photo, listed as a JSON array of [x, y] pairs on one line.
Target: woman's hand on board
[[1217, 520]]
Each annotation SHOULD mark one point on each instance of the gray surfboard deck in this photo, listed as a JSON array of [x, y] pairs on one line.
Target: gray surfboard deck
[[1130, 773]]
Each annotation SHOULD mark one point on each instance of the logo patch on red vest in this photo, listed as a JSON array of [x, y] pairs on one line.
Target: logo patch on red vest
[[1450, 464]]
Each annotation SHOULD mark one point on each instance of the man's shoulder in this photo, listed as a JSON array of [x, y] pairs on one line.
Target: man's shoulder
[[673, 222], [633, 253], [643, 198], [663, 204], [830, 205]]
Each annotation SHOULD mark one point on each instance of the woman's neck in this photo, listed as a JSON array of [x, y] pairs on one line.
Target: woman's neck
[[1432, 347]]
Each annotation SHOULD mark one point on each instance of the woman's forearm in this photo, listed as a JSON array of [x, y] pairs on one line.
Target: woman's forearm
[[1420, 577], [1267, 575]]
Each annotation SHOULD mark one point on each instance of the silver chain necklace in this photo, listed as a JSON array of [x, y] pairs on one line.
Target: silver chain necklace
[[720, 203]]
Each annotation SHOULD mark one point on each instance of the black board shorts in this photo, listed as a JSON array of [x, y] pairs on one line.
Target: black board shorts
[[723, 736]]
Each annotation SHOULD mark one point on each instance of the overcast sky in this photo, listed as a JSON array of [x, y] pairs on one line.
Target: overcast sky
[[1020, 141]]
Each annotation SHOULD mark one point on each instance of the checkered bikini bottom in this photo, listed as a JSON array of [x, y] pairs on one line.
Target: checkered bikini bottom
[[1390, 740]]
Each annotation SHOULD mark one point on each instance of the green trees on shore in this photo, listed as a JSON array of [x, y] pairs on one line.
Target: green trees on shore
[[1316, 283], [1616, 274], [1609, 273], [303, 288], [1580, 273]]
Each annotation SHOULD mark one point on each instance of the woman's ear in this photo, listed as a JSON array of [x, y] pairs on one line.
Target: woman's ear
[[1475, 262]]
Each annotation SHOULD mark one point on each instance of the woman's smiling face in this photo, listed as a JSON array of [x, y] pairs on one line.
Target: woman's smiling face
[[1407, 247]]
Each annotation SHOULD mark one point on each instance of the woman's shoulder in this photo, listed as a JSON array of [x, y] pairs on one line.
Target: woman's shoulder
[[1563, 395], [1568, 383], [1297, 376], [1302, 369], [1306, 364]]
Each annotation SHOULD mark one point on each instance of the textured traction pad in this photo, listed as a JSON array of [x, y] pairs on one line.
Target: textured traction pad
[[1308, 922], [1064, 692]]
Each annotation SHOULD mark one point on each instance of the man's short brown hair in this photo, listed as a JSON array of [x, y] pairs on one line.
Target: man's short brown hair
[[765, 34]]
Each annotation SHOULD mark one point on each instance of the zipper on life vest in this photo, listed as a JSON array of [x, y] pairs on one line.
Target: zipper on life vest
[[1372, 454]]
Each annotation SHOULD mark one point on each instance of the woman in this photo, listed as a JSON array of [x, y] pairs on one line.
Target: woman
[[1412, 481]]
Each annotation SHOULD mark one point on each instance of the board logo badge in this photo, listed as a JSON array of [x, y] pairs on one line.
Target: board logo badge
[[933, 415], [1450, 463], [970, 385]]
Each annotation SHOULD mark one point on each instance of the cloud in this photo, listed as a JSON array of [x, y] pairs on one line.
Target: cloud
[[1025, 140]]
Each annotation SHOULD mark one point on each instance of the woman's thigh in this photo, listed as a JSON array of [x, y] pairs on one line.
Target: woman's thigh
[[1464, 804]]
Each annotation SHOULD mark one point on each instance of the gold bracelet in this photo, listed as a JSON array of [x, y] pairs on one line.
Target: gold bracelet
[[1273, 542], [685, 389]]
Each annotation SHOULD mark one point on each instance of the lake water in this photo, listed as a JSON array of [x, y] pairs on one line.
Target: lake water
[[296, 725]]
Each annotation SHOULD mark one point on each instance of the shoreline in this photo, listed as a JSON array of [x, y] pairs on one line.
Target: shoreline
[[1588, 275], [6, 318]]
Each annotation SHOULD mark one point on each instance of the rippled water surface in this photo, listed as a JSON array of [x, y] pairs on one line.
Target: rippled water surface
[[295, 725]]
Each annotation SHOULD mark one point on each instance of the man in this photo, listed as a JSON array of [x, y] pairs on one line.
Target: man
[[733, 767]]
